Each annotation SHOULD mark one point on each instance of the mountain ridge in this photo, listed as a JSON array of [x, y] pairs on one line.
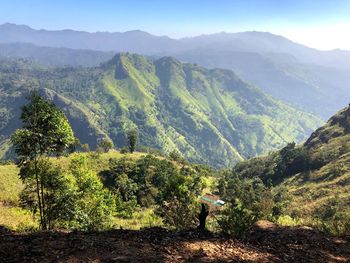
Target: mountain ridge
[[310, 79], [209, 115]]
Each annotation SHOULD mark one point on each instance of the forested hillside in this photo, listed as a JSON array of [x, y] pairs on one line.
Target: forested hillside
[[314, 176], [209, 116]]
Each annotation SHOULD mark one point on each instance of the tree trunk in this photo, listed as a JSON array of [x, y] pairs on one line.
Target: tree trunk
[[38, 192]]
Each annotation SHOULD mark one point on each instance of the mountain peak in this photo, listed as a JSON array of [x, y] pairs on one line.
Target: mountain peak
[[12, 26]]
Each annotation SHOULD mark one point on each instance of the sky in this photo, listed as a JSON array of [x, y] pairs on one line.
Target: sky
[[322, 24]]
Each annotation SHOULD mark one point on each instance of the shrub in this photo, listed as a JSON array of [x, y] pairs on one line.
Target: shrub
[[95, 205], [105, 144], [180, 213], [235, 220], [124, 150]]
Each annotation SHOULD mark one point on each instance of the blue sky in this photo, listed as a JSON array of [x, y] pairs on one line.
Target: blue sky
[[317, 23]]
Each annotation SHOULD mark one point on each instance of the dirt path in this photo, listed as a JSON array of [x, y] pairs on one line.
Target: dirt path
[[263, 244]]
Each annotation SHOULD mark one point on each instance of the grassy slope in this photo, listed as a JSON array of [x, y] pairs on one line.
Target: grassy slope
[[312, 189], [13, 217]]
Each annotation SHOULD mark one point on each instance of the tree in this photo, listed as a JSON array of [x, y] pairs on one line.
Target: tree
[[59, 193], [105, 144], [75, 145], [85, 147], [46, 132], [132, 139], [176, 156], [95, 205]]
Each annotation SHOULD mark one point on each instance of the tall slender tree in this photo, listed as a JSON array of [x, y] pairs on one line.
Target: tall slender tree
[[45, 132]]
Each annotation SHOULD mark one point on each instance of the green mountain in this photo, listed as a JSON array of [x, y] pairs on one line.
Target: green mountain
[[209, 116], [317, 89], [316, 174]]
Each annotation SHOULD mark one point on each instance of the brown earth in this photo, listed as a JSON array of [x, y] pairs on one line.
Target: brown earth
[[265, 242]]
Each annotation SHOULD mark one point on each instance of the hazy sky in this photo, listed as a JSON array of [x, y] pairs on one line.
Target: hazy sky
[[323, 24]]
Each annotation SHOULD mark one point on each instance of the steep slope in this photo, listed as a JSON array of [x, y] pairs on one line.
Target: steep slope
[[16, 78], [316, 89], [209, 116], [315, 174]]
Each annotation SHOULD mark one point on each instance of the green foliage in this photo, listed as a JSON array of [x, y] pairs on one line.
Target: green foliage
[[75, 145], [177, 157], [58, 193], [45, 131], [10, 185], [248, 200], [304, 179], [209, 116], [95, 205], [124, 150], [105, 144], [132, 140], [333, 217], [85, 147], [235, 220], [151, 181], [179, 212]]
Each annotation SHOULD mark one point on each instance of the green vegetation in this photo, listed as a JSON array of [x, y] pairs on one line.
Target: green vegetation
[[132, 139], [73, 196], [314, 178], [10, 184], [209, 116], [45, 132], [105, 145], [95, 191]]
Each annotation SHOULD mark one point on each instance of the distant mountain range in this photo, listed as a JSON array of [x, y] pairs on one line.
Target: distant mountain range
[[313, 80], [142, 42], [208, 115]]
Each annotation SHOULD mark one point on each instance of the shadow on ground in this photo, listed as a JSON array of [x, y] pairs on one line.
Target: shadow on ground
[[265, 242]]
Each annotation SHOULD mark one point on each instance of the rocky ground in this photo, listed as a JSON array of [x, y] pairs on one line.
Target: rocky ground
[[265, 242]]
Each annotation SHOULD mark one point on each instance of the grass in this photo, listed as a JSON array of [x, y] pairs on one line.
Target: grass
[[140, 219], [98, 162], [16, 219], [10, 184], [11, 216]]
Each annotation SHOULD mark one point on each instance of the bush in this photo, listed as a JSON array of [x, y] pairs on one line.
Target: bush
[[95, 205], [124, 150], [333, 217], [179, 213], [105, 144], [235, 220]]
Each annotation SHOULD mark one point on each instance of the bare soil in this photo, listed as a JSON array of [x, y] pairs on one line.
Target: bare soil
[[265, 242]]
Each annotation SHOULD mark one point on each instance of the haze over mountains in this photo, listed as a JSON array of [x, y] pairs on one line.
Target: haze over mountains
[[313, 80]]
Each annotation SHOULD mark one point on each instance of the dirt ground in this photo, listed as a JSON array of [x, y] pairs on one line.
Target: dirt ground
[[265, 242]]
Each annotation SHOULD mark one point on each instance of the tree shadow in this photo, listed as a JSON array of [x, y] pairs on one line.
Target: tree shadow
[[278, 244]]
